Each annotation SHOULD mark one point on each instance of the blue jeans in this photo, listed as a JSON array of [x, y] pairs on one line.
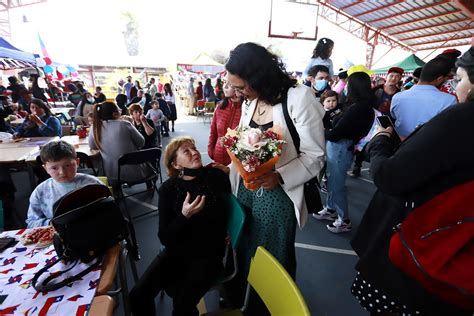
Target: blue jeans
[[339, 160]]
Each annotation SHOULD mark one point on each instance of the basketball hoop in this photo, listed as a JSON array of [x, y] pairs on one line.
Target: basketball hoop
[[296, 34], [292, 19]]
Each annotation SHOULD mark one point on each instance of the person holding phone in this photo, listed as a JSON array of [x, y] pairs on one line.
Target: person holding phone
[[406, 177], [354, 124]]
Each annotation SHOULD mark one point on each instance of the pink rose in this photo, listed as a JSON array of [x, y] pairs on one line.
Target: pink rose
[[254, 137]]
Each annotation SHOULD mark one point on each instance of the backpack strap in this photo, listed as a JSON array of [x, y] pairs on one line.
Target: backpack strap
[[44, 286]]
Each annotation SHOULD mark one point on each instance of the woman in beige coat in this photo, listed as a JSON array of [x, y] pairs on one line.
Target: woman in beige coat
[[261, 78]]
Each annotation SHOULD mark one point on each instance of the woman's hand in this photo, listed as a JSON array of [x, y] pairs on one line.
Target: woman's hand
[[189, 209], [35, 119], [219, 166], [384, 131], [267, 181], [143, 119]]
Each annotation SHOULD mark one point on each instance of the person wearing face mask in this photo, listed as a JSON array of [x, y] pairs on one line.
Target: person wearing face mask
[[423, 101], [319, 77], [192, 227], [385, 92], [83, 109], [417, 170], [354, 124]]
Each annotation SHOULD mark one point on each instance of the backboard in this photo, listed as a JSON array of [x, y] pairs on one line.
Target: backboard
[[293, 19]]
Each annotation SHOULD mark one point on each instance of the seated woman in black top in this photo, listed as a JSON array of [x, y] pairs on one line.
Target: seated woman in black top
[[192, 227], [143, 125]]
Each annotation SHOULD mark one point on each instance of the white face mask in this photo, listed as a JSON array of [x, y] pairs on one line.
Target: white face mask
[[90, 100]]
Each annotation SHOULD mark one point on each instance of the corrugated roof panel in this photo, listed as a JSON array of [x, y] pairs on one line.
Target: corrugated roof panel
[[416, 22]]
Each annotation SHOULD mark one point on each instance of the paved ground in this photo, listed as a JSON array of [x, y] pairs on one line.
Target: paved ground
[[325, 260]]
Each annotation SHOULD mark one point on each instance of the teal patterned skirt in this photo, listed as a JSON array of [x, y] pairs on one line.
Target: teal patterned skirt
[[271, 223]]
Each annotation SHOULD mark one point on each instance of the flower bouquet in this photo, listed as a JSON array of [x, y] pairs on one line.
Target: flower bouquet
[[253, 151]]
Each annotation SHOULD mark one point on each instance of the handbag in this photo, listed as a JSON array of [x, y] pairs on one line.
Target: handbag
[[311, 187], [434, 245], [88, 222]]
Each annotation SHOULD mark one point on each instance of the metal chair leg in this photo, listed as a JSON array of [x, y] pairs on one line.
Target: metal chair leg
[[123, 283], [134, 243]]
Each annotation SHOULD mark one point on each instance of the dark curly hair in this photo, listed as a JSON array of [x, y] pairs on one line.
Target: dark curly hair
[[263, 71]]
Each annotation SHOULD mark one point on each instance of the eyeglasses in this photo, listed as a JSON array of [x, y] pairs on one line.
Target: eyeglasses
[[238, 88]]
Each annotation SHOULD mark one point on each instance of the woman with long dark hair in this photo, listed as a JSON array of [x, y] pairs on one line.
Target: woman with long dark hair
[[114, 137], [321, 56], [171, 100], [208, 91], [354, 124], [406, 177], [40, 123], [226, 115], [260, 77], [83, 109]]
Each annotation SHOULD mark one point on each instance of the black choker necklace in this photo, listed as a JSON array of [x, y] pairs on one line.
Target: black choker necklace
[[192, 172]]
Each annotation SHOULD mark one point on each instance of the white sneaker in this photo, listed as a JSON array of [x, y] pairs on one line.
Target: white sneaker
[[325, 214], [340, 226]]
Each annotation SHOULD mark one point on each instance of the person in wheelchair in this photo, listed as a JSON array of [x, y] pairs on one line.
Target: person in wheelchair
[[192, 229]]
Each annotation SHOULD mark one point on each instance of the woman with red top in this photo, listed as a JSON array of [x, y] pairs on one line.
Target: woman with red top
[[227, 115]]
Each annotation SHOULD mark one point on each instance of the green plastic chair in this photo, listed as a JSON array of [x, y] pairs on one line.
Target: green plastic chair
[[274, 286], [235, 222]]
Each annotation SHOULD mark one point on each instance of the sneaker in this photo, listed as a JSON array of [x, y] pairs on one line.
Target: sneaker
[[325, 214], [355, 172], [340, 226]]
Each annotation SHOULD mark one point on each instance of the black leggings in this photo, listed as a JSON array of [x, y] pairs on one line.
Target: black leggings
[[186, 279]]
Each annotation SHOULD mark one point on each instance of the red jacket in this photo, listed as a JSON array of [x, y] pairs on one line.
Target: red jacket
[[223, 119]]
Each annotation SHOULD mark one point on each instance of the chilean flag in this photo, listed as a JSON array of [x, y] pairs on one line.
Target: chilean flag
[[9, 310], [29, 266], [19, 249], [15, 279], [75, 298], [44, 52], [49, 302], [9, 261], [82, 310]]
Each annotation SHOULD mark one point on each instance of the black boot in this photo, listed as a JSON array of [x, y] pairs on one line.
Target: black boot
[[355, 172]]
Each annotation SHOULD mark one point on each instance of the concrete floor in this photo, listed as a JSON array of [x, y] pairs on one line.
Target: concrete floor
[[325, 261]]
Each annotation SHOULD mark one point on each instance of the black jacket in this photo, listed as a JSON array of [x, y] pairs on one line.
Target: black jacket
[[203, 234], [434, 158], [354, 124]]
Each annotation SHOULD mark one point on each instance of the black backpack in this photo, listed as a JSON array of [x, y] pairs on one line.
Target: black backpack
[[88, 222]]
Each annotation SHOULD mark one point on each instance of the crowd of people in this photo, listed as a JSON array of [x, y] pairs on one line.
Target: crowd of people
[[332, 116]]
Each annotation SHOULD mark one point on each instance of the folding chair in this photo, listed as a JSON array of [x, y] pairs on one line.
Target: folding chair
[[200, 108], [85, 162], [274, 286], [208, 111], [151, 157]]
